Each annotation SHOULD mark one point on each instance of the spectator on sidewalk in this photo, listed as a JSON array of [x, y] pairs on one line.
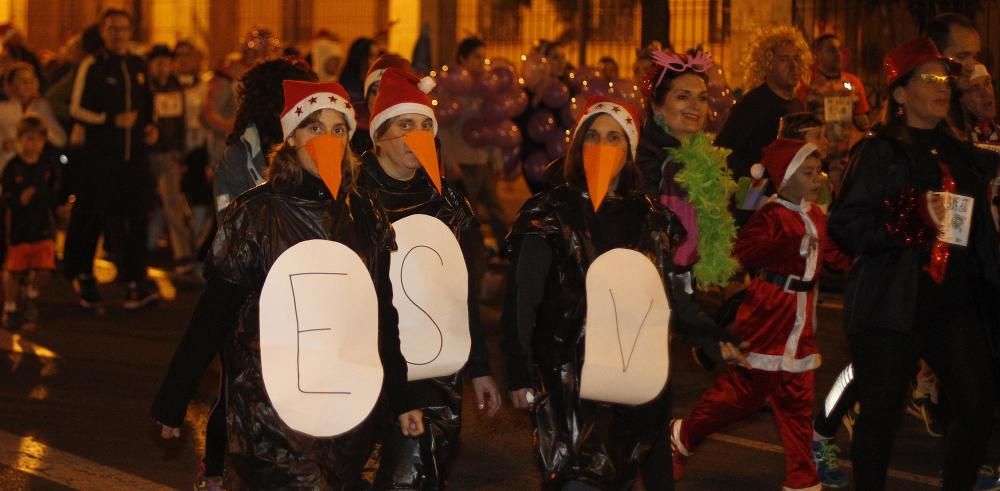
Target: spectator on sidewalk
[[477, 167]]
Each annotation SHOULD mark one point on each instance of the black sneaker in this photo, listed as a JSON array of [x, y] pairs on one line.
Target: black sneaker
[[85, 287], [139, 296]]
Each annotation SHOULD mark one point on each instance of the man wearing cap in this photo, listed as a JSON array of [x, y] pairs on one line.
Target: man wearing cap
[[913, 210]]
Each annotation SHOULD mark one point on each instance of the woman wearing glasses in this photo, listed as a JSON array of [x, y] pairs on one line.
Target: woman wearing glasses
[[913, 211]]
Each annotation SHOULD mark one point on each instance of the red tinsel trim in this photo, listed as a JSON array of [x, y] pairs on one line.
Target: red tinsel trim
[[905, 222]]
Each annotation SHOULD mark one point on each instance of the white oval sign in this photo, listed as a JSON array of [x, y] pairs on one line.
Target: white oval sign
[[626, 355], [319, 338], [430, 290]]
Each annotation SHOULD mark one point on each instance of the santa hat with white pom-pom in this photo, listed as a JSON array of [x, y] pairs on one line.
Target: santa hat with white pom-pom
[[399, 93], [781, 159]]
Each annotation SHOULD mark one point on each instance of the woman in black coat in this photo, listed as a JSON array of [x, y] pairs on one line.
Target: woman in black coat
[[910, 294]]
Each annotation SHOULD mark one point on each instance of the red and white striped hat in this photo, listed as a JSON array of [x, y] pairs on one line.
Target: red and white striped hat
[[304, 98], [624, 113]]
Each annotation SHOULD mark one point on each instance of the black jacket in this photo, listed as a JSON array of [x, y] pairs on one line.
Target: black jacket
[[259, 226], [882, 288], [107, 85]]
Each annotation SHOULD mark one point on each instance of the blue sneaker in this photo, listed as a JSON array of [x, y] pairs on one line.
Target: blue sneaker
[[987, 479], [826, 455]]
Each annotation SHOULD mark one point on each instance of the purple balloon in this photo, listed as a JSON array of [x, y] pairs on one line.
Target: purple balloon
[[516, 101], [493, 109], [567, 116], [447, 110], [456, 80], [534, 166], [540, 125], [556, 145], [511, 163], [477, 132], [507, 135], [555, 94], [502, 79]]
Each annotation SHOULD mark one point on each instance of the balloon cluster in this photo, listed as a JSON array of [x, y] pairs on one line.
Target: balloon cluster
[[485, 105], [720, 99]]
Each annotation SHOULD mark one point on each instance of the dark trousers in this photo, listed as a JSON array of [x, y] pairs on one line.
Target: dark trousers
[[954, 345], [125, 224], [215, 431]]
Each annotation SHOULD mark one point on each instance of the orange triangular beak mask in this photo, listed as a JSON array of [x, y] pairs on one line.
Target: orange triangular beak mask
[[327, 152], [601, 163], [421, 143]]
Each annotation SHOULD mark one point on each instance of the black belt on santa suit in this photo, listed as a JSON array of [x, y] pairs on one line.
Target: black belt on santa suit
[[790, 283]]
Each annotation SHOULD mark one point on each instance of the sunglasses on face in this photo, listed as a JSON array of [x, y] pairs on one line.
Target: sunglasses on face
[[935, 79]]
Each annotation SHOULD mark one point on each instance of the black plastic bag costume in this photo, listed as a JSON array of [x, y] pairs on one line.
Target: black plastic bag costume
[[421, 463], [263, 453], [555, 238]]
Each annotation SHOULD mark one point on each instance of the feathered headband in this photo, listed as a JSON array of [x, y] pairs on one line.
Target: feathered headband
[[700, 62]]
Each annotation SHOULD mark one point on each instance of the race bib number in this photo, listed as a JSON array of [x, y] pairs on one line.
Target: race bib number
[[430, 290], [319, 338], [957, 218], [168, 104], [626, 356], [838, 109]]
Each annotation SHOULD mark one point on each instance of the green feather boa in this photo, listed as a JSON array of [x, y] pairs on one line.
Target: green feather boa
[[708, 181]]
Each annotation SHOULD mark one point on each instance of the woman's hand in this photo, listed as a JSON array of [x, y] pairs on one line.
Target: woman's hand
[[523, 398], [733, 355], [412, 423], [935, 207], [487, 394]]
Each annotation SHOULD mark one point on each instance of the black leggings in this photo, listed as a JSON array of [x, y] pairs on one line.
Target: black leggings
[[954, 345], [215, 431]]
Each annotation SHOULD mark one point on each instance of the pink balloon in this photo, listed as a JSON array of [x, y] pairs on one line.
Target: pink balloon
[[555, 94], [534, 166], [477, 132], [511, 163], [456, 80], [502, 62], [541, 123], [556, 145], [502, 79], [507, 135]]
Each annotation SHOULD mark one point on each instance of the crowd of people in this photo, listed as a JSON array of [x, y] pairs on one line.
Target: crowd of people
[[239, 167]]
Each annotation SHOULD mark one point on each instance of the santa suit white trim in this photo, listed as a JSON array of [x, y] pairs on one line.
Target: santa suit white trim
[[804, 301]]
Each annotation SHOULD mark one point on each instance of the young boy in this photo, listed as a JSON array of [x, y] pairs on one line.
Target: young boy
[[28, 183], [786, 241]]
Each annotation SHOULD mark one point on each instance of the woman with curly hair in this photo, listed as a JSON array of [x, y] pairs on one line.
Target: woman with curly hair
[[257, 128], [773, 68]]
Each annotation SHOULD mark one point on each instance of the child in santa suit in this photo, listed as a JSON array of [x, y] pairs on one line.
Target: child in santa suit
[[786, 241]]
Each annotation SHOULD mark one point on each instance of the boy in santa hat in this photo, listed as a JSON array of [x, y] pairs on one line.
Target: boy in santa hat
[[786, 240]]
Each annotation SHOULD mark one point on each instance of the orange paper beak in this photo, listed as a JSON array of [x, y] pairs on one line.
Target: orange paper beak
[[421, 143], [327, 152], [601, 163]]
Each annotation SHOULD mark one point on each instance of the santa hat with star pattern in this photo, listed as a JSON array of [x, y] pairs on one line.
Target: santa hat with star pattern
[[623, 113], [304, 98]]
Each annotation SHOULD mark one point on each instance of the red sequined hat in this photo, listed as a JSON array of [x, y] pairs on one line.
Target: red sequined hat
[[910, 55]]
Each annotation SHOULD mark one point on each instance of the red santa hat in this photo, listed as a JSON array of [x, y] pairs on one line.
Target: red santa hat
[[304, 98], [624, 113], [401, 92], [387, 60], [782, 158]]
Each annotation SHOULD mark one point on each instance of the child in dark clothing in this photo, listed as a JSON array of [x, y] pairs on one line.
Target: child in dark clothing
[[28, 198]]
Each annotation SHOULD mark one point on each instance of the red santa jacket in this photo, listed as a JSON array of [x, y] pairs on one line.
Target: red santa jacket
[[780, 325]]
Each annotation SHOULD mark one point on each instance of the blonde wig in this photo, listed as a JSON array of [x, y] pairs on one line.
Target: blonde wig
[[760, 52]]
